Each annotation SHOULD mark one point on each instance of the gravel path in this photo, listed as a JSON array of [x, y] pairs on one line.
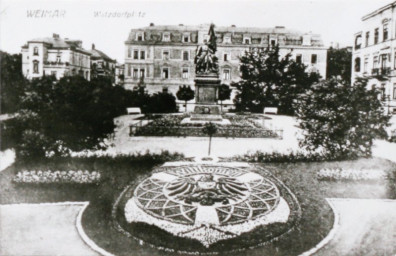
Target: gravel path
[[366, 227], [41, 229]]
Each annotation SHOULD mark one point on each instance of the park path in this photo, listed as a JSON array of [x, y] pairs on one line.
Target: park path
[[41, 229], [366, 227]]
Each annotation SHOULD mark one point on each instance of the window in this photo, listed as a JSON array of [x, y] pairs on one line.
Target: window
[[165, 73], [299, 58], [357, 64], [142, 55], [367, 38], [394, 91], [375, 62], [35, 51], [53, 73], [185, 73], [376, 35], [385, 32], [226, 74], [135, 54], [139, 36], [246, 40], [135, 73], [273, 42], [186, 55], [165, 89], [365, 67], [227, 40], [165, 55], [129, 71], [129, 53], [314, 58], [384, 59], [358, 42], [58, 59], [142, 73], [225, 57], [394, 64], [186, 38], [35, 67], [166, 37]]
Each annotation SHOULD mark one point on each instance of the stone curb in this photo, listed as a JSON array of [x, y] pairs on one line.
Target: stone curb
[[84, 236], [330, 235]]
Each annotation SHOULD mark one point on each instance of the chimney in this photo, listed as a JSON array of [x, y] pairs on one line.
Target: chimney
[[55, 36], [151, 24], [233, 26], [93, 46], [180, 25]]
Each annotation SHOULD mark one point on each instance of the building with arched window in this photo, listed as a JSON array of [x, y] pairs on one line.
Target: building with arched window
[[55, 56], [166, 53], [374, 57]]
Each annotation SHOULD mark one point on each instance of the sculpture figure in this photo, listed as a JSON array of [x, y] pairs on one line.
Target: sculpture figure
[[205, 58]]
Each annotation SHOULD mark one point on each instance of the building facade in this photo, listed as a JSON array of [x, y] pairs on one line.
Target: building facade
[[374, 53], [101, 64], [164, 55], [55, 56]]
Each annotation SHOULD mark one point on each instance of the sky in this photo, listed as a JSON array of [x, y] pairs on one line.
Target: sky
[[335, 20]]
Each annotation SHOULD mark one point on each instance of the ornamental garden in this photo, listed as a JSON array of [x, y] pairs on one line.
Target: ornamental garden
[[258, 203]]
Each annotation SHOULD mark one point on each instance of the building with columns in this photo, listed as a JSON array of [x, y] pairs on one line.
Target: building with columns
[[164, 55], [374, 53], [55, 56]]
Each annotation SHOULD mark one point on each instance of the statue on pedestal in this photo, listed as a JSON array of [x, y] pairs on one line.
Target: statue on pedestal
[[205, 58]]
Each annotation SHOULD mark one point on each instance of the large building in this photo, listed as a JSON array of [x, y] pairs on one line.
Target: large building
[[164, 55], [55, 56], [374, 53]]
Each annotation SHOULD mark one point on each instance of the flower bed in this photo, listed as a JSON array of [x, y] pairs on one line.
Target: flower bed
[[339, 174], [38, 177]]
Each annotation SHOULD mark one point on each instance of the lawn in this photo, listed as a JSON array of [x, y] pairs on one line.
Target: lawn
[[315, 223]]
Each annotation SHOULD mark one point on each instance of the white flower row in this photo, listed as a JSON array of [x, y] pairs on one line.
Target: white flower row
[[350, 174], [39, 176]]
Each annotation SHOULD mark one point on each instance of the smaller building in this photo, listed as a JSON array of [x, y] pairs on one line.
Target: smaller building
[[101, 64], [55, 56], [119, 74]]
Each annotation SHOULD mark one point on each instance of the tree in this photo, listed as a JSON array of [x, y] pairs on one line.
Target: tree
[[12, 82], [162, 102], [339, 64], [270, 81], [341, 119], [185, 93], [210, 129], [70, 113], [224, 94]]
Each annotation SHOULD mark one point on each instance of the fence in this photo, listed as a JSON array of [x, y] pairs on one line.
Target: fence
[[193, 131]]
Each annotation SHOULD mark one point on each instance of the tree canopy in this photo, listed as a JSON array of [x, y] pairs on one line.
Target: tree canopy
[[339, 64], [12, 82], [269, 80], [341, 119], [185, 93]]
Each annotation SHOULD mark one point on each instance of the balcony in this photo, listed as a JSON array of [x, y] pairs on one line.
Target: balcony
[[56, 63], [380, 73]]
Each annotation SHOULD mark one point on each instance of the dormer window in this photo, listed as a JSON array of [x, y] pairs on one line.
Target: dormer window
[[226, 40], [166, 37], [247, 40], [140, 36], [186, 38]]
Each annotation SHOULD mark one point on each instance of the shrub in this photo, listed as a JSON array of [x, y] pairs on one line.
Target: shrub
[[37, 177], [341, 119]]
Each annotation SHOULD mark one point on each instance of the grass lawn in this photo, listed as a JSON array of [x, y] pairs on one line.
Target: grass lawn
[[316, 221]]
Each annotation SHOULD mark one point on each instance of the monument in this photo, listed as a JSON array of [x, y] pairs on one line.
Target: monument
[[207, 81]]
